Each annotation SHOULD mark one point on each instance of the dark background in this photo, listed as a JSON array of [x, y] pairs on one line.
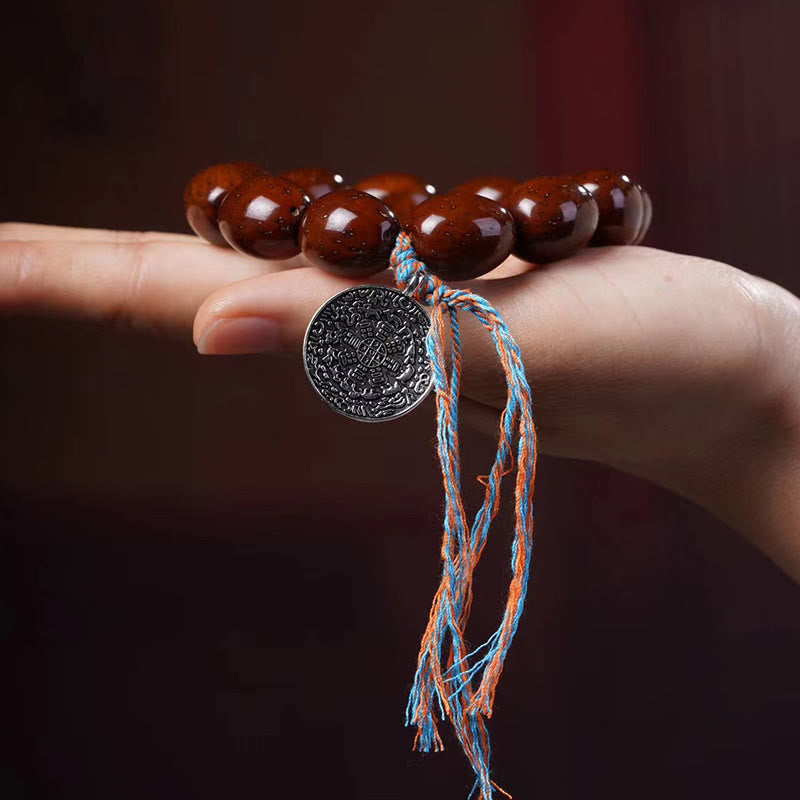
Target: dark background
[[213, 588]]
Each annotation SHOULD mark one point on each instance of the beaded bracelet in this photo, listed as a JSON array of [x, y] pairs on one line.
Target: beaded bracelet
[[460, 235], [372, 353]]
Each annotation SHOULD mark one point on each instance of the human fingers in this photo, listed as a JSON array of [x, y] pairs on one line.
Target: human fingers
[[611, 339], [31, 232], [144, 282]]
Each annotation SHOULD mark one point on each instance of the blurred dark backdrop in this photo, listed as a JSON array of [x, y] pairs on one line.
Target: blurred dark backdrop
[[195, 606]]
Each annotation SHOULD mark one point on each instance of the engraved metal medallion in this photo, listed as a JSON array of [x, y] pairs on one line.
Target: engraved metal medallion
[[364, 353]]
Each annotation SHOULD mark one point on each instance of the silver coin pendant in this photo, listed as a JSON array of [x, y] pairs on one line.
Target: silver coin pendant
[[364, 353]]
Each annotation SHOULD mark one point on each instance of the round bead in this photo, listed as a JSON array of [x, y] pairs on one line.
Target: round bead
[[495, 188], [647, 216], [394, 183], [620, 203], [206, 190], [315, 181], [261, 217], [403, 206], [400, 191], [555, 217], [460, 236], [349, 232]]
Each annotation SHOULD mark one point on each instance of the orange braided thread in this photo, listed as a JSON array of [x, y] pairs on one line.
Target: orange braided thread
[[462, 546]]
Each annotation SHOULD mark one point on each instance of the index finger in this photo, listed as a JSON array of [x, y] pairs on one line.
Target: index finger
[[149, 282], [33, 232]]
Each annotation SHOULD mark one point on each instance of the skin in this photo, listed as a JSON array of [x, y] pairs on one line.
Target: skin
[[677, 369]]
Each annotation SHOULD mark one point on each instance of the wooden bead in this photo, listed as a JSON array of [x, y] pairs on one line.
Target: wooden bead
[[394, 183], [403, 206], [647, 216], [495, 188], [460, 236], [261, 217], [206, 190], [315, 181], [619, 202], [348, 232], [554, 216], [400, 191]]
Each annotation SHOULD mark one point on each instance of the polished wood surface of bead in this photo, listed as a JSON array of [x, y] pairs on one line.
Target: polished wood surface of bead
[[400, 191], [460, 235], [404, 205], [315, 181], [495, 188], [647, 216], [619, 202], [206, 190], [349, 232], [555, 217], [261, 217], [394, 183]]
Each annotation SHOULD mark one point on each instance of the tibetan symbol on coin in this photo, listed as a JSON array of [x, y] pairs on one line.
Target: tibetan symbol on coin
[[364, 353]]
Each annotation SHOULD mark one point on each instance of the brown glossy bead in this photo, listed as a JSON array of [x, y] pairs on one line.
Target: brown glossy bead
[[315, 181], [460, 236], [619, 202], [349, 232], [495, 188], [394, 183], [647, 216], [555, 217], [403, 206], [261, 216], [205, 191], [400, 191]]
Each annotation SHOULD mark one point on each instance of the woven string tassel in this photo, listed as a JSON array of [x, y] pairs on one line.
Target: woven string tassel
[[451, 681]]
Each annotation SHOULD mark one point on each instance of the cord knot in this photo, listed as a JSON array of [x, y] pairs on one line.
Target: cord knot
[[411, 274]]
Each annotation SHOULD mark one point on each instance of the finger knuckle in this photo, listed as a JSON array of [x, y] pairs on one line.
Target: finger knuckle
[[20, 273], [138, 258]]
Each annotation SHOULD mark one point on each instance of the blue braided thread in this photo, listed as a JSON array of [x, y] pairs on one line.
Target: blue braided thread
[[461, 701]]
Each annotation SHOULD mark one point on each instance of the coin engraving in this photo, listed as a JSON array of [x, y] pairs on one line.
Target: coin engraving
[[364, 353]]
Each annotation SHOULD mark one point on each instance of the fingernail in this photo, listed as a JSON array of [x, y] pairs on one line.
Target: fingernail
[[238, 335]]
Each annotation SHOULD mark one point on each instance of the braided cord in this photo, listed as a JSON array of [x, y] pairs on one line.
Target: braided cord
[[451, 681]]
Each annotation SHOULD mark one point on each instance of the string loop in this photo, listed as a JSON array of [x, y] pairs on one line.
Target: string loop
[[452, 681]]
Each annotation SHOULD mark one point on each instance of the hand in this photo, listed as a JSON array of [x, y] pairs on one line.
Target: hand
[[678, 369]]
